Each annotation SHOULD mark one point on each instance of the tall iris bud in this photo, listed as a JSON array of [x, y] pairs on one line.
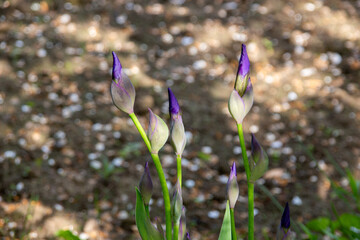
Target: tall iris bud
[[146, 185], [259, 160], [177, 130], [158, 132], [242, 97], [122, 90], [177, 204], [284, 232], [232, 188]]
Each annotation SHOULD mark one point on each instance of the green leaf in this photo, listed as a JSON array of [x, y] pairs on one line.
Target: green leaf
[[354, 187], [308, 232], [349, 220], [225, 232], [319, 224], [146, 229], [67, 235]]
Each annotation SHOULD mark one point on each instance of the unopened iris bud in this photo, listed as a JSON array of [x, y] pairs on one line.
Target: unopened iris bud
[[284, 232], [243, 72], [182, 225], [158, 132], [177, 204], [188, 236], [146, 185], [259, 160], [122, 90], [232, 188], [177, 130]]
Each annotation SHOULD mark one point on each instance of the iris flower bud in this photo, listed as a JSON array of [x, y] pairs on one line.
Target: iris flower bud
[[176, 204], [284, 232], [146, 185], [243, 72], [177, 130], [232, 188], [259, 160], [188, 236], [122, 91], [158, 132], [241, 103]]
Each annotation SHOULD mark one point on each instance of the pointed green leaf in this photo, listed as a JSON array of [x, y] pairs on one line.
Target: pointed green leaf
[[319, 224], [146, 229], [225, 232]]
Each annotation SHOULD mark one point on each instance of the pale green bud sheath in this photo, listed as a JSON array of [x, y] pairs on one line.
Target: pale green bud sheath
[[232, 190], [259, 160], [158, 132]]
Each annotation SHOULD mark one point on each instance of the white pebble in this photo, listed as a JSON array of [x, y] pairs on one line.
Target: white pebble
[[190, 183], [297, 201], [223, 179], [100, 147], [254, 128], [276, 144], [214, 214], [25, 108], [206, 150], [117, 162], [313, 178], [58, 207], [307, 72], [117, 134], [123, 215], [9, 154], [41, 53], [256, 211], [237, 150], [292, 96], [199, 64], [121, 19], [186, 41], [19, 186], [96, 164]]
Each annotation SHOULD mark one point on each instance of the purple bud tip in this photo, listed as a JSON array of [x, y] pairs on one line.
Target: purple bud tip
[[255, 146], [187, 236], [244, 63], [116, 70], [285, 219], [174, 107], [233, 171]]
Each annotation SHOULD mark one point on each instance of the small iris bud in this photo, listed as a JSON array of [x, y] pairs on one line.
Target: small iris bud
[[122, 91], [259, 160], [284, 232], [158, 132], [232, 188], [176, 204], [243, 72], [177, 130], [188, 236], [182, 225], [146, 185]]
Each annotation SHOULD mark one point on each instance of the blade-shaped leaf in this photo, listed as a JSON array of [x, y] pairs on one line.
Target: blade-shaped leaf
[[225, 232], [146, 229]]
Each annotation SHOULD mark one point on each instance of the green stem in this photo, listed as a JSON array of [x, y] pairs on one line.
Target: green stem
[[161, 175], [147, 210], [165, 192], [233, 231], [176, 231], [251, 210], [243, 150], [141, 130], [178, 165], [250, 185]]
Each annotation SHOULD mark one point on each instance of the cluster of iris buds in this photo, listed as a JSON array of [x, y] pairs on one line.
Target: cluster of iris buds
[[240, 103]]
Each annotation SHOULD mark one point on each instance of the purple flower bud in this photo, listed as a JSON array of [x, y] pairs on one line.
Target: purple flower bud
[[174, 107], [232, 188], [146, 185], [259, 160], [158, 132], [122, 91], [285, 218], [243, 72], [176, 204], [188, 236]]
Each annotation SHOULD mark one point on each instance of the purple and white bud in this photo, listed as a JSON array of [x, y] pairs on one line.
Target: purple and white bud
[[236, 107], [176, 204], [284, 232], [243, 72], [259, 160], [158, 132], [177, 130], [146, 185], [122, 91], [232, 188]]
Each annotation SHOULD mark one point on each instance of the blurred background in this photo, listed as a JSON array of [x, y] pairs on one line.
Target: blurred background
[[69, 160]]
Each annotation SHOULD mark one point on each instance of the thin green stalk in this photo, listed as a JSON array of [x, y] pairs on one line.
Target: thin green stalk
[[141, 130], [147, 210], [165, 191], [243, 150], [250, 185], [251, 211], [233, 231], [178, 166], [161, 175], [176, 231]]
